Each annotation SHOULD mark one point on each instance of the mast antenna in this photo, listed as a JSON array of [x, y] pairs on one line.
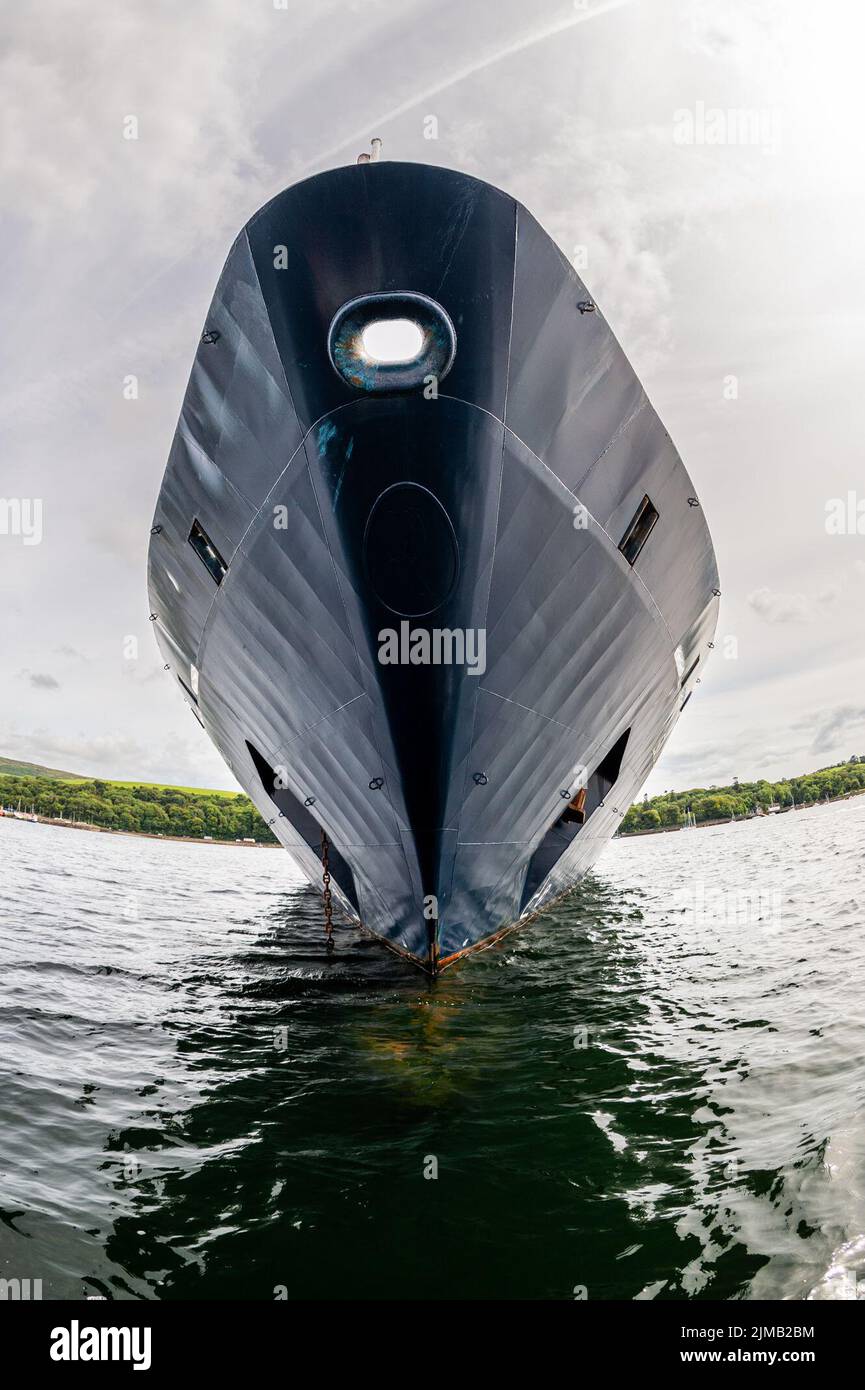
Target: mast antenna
[[374, 155]]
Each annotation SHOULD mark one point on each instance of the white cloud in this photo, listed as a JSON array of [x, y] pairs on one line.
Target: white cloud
[[184, 761], [775, 607], [841, 724], [40, 680]]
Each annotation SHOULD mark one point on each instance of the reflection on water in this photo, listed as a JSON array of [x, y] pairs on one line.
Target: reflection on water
[[653, 1091]]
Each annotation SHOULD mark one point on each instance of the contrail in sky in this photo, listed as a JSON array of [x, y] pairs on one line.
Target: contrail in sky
[[559, 26], [508, 51]]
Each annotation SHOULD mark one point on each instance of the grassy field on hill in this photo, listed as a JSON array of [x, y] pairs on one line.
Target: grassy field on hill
[[14, 768]]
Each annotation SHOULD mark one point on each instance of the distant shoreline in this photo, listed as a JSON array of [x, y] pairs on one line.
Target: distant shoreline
[[737, 820], [198, 815], [263, 844], [142, 834]]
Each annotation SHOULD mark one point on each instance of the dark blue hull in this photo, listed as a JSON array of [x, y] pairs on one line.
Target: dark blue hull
[[493, 489]]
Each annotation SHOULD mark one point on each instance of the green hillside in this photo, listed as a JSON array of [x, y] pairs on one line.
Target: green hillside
[[14, 768]]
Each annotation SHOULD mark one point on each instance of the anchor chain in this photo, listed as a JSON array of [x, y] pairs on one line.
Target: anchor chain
[[328, 900]]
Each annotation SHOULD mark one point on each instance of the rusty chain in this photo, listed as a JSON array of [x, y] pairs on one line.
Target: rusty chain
[[328, 899]]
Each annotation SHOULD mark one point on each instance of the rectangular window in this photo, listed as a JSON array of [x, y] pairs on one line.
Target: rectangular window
[[193, 697], [207, 552], [689, 673], [639, 531]]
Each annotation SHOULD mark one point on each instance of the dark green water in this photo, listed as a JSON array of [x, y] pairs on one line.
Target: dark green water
[[654, 1091]]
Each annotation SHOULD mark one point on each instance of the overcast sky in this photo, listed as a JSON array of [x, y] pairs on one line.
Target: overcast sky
[[726, 252]]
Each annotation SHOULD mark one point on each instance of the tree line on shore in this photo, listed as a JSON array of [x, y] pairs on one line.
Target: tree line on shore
[[151, 809], [744, 798], [145, 808]]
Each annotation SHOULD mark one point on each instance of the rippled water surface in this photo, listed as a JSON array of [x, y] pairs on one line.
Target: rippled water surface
[[655, 1090]]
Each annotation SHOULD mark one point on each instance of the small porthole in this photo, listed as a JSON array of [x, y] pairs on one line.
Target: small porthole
[[640, 529]]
